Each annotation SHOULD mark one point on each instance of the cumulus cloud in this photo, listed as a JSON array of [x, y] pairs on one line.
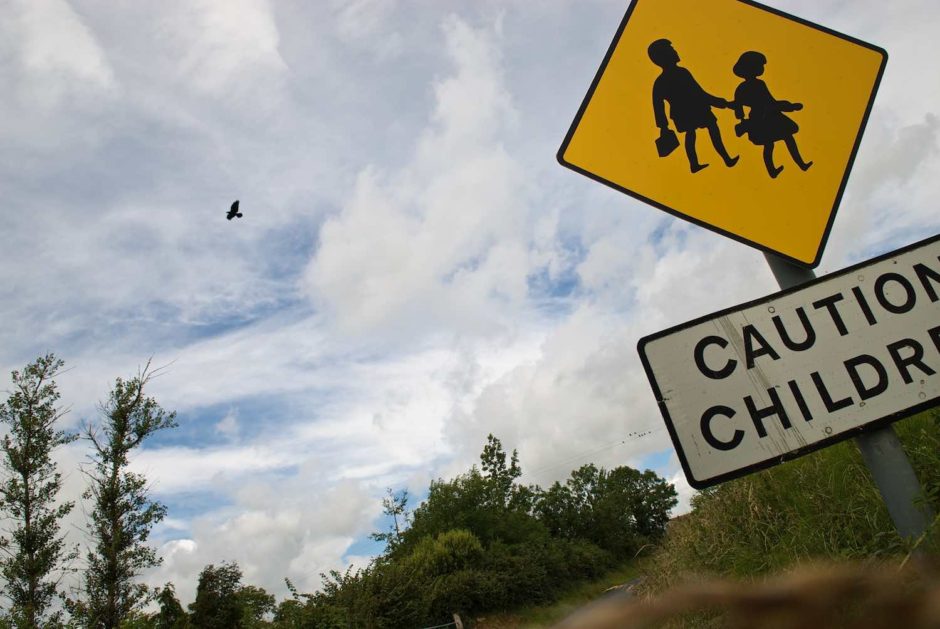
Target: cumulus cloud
[[275, 530], [228, 49], [441, 241], [57, 53]]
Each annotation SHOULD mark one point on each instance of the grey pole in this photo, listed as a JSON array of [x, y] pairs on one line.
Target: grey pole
[[881, 449]]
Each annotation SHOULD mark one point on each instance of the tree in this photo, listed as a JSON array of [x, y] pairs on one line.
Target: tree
[[255, 603], [618, 509], [488, 503], [500, 477], [394, 506], [217, 605], [34, 549], [651, 499], [122, 514], [171, 614]]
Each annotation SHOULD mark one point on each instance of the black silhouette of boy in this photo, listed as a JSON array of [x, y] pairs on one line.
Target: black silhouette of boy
[[689, 104]]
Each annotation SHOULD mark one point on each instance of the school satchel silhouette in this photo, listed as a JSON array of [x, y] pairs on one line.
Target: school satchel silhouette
[[667, 142]]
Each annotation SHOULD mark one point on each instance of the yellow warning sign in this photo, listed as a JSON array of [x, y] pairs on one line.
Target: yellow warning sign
[[730, 114]]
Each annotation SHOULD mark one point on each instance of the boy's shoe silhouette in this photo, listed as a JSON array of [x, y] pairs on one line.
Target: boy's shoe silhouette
[[731, 161]]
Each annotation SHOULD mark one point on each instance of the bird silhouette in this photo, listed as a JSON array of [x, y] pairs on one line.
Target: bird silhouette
[[233, 212]]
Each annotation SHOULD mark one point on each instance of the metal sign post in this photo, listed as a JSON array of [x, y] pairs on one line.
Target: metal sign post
[[880, 448]]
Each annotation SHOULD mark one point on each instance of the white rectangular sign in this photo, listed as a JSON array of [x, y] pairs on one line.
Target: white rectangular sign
[[763, 382]]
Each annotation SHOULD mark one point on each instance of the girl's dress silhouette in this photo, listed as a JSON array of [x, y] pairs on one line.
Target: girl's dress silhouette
[[765, 123]]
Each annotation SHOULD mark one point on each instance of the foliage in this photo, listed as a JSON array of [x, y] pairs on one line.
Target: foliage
[[222, 602], [35, 549], [254, 604], [823, 505], [618, 510], [395, 506], [122, 514], [301, 611], [482, 542], [216, 605], [171, 614], [500, 485]]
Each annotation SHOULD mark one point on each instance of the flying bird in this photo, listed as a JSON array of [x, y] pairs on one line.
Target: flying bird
[[233, 212]]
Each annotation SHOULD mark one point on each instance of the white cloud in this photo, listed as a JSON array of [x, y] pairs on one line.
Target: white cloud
[[228, 425], [228, 49], [441, 241], [58, 54], [684, 491], [285, 529], [364, 23], [188, 469]]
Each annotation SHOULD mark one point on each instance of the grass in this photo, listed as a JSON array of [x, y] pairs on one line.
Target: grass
[[574, 598], [822, 507]]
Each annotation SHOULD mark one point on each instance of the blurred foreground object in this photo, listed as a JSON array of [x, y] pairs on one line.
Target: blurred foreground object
[[853, 596]]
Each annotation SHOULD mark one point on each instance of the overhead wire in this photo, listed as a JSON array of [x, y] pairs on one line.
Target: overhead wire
[[632, 436]]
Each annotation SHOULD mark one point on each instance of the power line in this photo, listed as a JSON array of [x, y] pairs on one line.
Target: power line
[[632, 436]]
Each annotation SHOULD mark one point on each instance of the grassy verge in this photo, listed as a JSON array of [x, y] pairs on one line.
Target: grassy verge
[[576, 597], [822, 507]]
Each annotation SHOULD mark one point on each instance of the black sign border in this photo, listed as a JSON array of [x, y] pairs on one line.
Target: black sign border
[[852, 432], [845, 177]]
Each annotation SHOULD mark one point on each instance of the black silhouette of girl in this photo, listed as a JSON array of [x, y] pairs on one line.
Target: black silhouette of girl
[[689, 104], [765, 123]]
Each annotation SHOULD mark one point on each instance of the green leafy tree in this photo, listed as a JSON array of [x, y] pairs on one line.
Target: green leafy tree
[[255, 603], [489, 503], [618, 509], [216, 605], [556, 509], [122, 515], [222, 602], [500, 478], [650, 499], [34, 549], [291, 613], [395, 506], [171, 614]]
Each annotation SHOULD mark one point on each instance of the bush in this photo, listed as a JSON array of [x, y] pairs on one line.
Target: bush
[[584, 560], [448, 552], [462, 591]]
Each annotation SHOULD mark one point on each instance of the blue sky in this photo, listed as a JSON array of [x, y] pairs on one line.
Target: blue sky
[[413, 270]]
